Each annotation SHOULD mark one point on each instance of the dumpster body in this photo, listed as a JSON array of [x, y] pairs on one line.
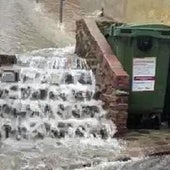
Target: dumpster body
[[144, 51]]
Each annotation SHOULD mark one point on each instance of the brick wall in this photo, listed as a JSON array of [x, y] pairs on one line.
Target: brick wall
[[112, 82]]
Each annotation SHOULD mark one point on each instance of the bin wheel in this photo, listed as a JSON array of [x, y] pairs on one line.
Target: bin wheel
[[169, 122], [151, 121], [154, 121]]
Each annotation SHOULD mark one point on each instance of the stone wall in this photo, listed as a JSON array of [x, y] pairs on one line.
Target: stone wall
[[112, 82], [7, 59]]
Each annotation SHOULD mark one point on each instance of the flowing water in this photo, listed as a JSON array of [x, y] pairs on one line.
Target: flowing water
[[52, 98], [48, 117], [24, 27], [47, 101]]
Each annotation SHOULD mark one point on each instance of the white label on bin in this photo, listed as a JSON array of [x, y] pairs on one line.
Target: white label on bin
[[144, 70]]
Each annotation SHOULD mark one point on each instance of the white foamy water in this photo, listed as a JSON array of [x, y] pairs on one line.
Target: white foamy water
[[47, 108], [53, 97]]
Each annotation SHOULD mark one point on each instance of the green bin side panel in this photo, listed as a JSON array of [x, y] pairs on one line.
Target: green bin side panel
[[141, 102], [166, 113], [112, 43]]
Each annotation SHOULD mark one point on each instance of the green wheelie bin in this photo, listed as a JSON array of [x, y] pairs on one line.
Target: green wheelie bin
[[144, 51]]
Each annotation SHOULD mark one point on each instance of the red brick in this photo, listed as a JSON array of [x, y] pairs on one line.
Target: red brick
[[119, 107], [110, 75]]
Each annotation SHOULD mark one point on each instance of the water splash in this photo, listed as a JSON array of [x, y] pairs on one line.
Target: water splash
[[61, 26], [38, 7], [51, 95]]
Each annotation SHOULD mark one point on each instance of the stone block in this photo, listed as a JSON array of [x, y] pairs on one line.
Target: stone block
[[119, 107], [7, 59], [108, 98], [43, 94], [69, 79], [54, 79], [122, 93], [9, 76]]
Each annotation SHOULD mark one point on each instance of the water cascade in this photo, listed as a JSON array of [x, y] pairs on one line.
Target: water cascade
[[50, 96]]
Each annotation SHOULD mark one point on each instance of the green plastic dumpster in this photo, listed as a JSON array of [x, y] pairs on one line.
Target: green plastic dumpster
[[144, 51]]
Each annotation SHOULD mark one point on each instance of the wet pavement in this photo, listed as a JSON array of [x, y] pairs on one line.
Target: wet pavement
[[18, 33], [25, 26], [148, 142]]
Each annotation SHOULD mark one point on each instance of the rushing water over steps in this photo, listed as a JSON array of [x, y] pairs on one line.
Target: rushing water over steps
[[50, 96], [24, 27]]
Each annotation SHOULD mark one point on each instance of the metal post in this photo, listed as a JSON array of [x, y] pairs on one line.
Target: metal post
[[61, 11]]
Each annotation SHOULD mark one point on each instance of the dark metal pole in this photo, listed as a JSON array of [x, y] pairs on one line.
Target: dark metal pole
[[61, 11]]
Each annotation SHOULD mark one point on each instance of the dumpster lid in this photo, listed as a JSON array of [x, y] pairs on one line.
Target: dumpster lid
[[132, 30], [147, 26]]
